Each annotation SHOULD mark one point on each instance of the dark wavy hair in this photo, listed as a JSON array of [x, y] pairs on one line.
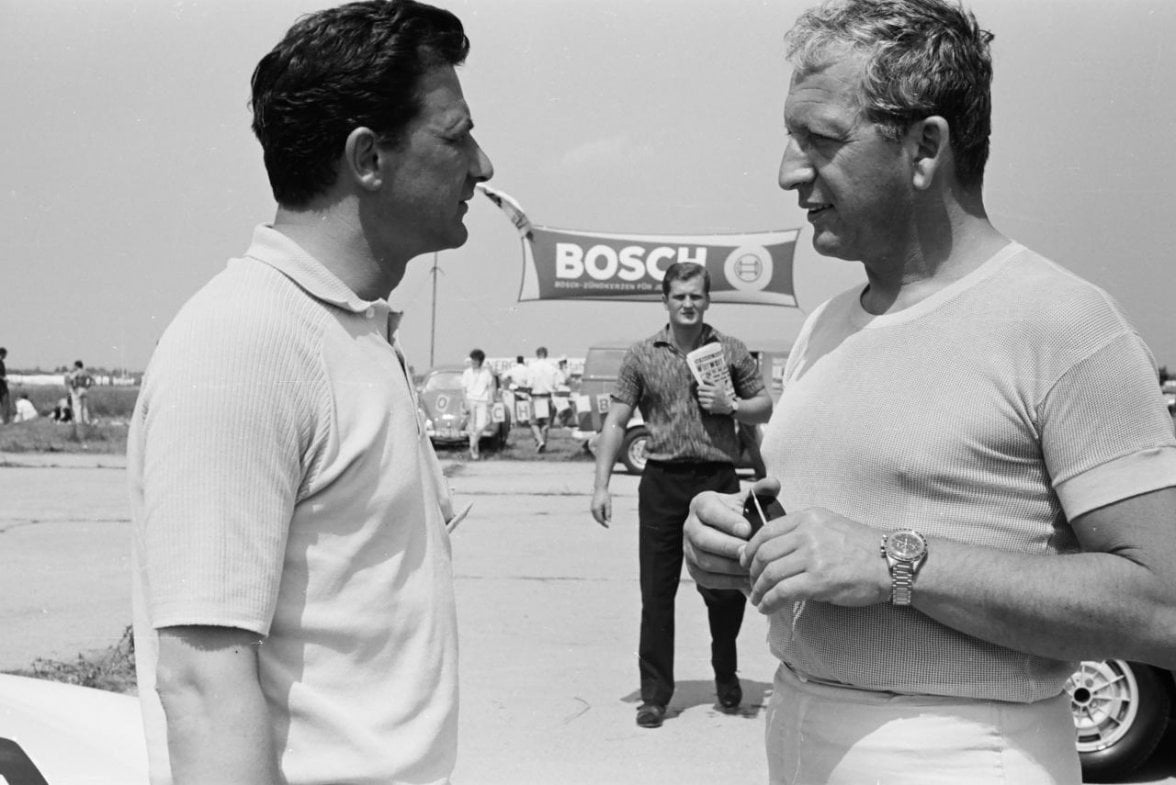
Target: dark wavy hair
[[923, 58], [684, 271], [336, 70]]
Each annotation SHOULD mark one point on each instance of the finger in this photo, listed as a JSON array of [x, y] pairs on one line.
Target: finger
[[722, 512], [782, 596], [717, 580], [774, 560], [785, 583], [771, 542], [709, 545], [711, 561], [768, 486]]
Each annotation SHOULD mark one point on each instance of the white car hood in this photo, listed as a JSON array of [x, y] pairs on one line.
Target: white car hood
[[74, 735]]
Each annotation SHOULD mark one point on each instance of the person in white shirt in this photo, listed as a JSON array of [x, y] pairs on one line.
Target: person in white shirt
[[517, 383], [545, 379], [477, 387], [25, 410], [518, 375]]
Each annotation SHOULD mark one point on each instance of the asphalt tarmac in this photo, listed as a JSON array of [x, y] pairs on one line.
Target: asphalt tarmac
[[548, 608]]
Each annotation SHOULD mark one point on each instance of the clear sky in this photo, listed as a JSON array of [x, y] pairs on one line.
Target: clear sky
[[130, 173]]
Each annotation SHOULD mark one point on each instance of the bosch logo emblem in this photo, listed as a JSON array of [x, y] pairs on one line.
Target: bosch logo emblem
[[748, 268]]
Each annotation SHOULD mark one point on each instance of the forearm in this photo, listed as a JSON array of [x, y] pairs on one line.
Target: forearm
[[608, 447], [1073, 606], [755, 410]]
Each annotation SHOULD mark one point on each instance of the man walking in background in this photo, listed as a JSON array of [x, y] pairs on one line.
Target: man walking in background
[[78, 383], [692, 447], [545, 378], [294, 609], [976, 465], [517, 381]]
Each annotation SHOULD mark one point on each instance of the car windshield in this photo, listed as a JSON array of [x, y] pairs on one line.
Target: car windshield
[[443, 380]]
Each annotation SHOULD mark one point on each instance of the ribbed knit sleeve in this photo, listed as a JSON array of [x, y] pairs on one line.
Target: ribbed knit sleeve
[[237, 391]]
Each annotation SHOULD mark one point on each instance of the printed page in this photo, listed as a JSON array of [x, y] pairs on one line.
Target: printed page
[[709, 364]]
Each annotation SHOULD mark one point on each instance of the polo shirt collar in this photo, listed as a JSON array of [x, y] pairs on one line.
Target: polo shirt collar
[[664, 337], [271, 247]]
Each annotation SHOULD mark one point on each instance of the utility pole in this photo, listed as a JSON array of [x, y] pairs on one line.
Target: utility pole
[[433, 326]]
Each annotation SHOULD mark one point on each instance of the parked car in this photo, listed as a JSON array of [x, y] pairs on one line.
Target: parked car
[[60, 734], [602, 363], [1121, 713], [1168, 388], [446, 419]]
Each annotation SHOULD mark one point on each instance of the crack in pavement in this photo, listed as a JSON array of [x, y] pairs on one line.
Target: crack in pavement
[[25, 522]]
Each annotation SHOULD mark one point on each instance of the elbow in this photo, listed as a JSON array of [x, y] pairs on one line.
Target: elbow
[[1160, 648], [179, 688]]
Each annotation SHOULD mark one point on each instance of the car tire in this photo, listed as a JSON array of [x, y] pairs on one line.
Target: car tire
[[633, 452], [1120, 713]]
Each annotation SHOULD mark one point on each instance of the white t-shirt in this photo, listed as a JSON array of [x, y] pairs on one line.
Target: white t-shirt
[[25, 410], [545, 376], [992, 412], [477, 384]]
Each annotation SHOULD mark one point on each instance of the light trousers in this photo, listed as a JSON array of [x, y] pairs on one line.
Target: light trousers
[[825, 735]]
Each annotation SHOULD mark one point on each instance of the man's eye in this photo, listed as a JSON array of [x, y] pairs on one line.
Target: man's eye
[[807, 140]]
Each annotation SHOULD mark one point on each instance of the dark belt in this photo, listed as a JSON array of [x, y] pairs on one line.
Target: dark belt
[[682, 467]]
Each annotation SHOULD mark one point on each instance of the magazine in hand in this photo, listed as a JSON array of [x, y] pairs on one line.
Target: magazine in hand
[[709, 365]]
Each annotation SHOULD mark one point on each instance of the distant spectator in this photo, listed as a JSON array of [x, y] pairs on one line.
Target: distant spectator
[[62, 412], [25, 410], [545, 378], [477, 386], [518, 375], [5, 402], [78, 383], [562, 400]]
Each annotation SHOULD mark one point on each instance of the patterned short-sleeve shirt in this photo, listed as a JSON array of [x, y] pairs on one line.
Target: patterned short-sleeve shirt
[[655, 378]]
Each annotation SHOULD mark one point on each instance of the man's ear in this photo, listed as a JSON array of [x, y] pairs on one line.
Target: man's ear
[[361, 159], [929, 140]]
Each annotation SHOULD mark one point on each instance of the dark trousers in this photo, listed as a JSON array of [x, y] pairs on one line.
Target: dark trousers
[[663, 503]]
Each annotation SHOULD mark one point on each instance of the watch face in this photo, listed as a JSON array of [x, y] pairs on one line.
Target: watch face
[[905, 545]]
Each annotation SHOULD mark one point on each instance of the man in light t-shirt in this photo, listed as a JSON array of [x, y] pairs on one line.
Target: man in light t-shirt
[[294, 603], [977, 468], [545, 378], [477, 387]]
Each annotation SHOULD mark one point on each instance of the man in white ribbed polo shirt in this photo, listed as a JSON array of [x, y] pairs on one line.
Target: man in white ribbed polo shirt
[[294, 613], [977, 468]]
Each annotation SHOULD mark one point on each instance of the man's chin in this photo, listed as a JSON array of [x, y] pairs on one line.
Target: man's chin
[[453, 239], [831, 247]]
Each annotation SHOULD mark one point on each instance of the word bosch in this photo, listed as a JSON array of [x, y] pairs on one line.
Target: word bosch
[[630, 263]]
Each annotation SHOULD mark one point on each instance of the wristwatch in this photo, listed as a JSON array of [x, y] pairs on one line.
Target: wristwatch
[[905, 551]]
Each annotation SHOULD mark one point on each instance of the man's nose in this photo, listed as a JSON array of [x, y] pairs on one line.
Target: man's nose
[[481, 168], [795, 167]]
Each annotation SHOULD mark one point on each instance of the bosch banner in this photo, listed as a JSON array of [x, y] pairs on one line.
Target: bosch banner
[[561, 264]]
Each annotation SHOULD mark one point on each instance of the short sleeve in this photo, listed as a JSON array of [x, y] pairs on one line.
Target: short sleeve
[[628, 387], [745, 373], [222, 427], [1105, 433]]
